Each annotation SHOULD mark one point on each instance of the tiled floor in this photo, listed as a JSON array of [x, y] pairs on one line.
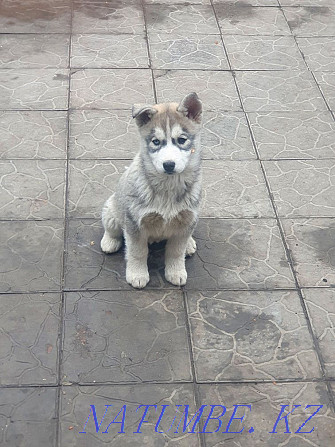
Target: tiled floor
[[255, 324]]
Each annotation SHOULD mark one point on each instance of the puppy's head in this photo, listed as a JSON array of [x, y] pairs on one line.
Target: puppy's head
[[170, 133]]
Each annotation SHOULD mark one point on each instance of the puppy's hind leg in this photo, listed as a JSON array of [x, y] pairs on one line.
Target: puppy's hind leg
[[112, 238], [191, 247]]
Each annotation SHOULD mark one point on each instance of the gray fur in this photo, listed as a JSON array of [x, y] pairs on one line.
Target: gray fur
[[151, 205]]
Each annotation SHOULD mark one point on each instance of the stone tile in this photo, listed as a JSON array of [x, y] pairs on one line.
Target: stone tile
[[240, 3], [226, 136], [110, 89], [91, 182], [29, 339], [114, 16], [28, 416], [263, 53], [32, 256], [103, 134], [306, 2], [87, 267], [180, 19], [34, 51], [267, 401], [302, 188], [76, 401], [280, 135], [32, 134], [34, 89], [321, 307], [242, 18], [216, 89], [326, 82], [250, 336], [234, 189], [319, 52], [279, 91], [312, 246], [32, 189], [109, 51], [195, 51], [310, 21], [125, 337], [238, 254], [35, 16]]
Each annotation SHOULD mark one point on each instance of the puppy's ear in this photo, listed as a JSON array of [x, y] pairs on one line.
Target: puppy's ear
[[143, 114], [191, 107]]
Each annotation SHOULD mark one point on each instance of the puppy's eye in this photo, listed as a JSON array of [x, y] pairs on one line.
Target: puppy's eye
[[156, 142], [182, 140]]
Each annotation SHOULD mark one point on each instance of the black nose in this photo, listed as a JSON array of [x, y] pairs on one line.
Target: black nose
[[169, 166]]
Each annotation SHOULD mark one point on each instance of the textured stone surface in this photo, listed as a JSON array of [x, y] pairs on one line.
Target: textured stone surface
[[32, 256], [125, 337], [110, 89], [32, 189], [279, 90], [263, 53], [34, 89], [32, 134], [255, 322], [29, 339], [301, 135], [238, 254], [177, 51], [302, 187], [215, 88], [312, 244], [321, 307], [266, 402], [250, 335], [76, 401]]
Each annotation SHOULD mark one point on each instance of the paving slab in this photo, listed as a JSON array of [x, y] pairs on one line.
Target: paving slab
[[279, 91], [310, 21], [29, 339], [326, 81], [32, 189], [34, 89], [34, 51], [32, 256], [183, 19], [240, 336], [321, 308], [194, 51], [76, 403], [297, 135], [216, 88], [109, 51], [112, 17], [263, 53], [238, 254], [245, 19], [302, 187], [311, 242], [119, 336], [35, 16], [28, 416], [318, 52], [266, 401], [110, 88], [33, 134]]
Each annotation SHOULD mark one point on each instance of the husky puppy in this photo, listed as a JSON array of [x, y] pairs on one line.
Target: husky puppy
[[158, 195]]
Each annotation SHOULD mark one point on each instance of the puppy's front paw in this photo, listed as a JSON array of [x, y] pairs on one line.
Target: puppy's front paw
[[109, 244], [191, 247], [137, 279], [175, 276]]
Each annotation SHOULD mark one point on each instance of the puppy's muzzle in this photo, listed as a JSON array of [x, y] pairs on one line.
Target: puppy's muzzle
[[169, 166]]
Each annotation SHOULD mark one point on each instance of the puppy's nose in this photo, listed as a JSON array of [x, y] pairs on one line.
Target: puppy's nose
[[169, 166]]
